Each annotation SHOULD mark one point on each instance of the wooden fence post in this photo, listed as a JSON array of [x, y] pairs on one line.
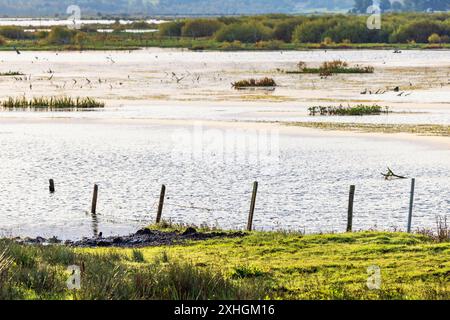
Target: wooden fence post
[[350, 209], [411, 204], [161, 204], [51, 186], [252, 207], [94, 200]]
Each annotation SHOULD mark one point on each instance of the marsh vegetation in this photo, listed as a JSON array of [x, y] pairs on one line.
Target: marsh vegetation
[[51, 103], [254, 83], [11, 73], [358, 110], [328, 68]]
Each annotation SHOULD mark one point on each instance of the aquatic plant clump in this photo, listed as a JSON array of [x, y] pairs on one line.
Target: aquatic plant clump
[[11, 73], [51, 103], [265, 82], [359, 110], [329, 68]]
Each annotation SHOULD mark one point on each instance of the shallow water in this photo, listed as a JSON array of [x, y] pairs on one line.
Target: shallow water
[[155, 77], [303, 183], [238, 113], [25, 22]]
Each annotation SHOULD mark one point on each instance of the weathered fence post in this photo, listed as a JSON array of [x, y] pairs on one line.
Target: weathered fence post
[[51, 186], [252, 207], [350, 209], [161, 204], [94, 200], [411, 204]]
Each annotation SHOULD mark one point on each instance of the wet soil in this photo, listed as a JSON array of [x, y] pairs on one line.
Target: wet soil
[[142, 238]]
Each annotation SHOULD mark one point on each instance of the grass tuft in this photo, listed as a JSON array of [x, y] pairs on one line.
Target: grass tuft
[[246, 271], [138, 256]]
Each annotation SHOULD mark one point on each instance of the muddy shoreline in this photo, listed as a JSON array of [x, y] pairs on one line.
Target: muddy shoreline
[[142, 238]]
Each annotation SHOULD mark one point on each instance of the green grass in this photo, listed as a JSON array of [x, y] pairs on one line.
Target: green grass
[[128, 41], [359, 110], [260, 265], [51, 103]]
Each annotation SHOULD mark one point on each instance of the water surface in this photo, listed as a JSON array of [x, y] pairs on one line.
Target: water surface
[[304, 180]]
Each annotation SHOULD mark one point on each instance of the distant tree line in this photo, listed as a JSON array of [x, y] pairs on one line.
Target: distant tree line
[[268, 31], [396, 28], [361, 6]]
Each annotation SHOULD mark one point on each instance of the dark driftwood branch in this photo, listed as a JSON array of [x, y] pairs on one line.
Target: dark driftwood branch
[[390, 175]]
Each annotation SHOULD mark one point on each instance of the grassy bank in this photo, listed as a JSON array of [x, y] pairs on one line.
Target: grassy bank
[[419, 129], [127, 42], [257, 266]]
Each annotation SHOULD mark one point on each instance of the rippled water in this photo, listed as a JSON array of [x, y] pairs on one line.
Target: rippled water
[[303, 186]]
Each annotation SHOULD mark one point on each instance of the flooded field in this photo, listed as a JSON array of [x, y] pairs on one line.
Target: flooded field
[[156, 75], [173, 118], [28, 22]]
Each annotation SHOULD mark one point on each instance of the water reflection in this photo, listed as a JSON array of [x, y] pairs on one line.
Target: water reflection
[[95, 225]]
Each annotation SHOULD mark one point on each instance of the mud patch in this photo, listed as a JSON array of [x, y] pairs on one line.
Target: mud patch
[[142, 238]]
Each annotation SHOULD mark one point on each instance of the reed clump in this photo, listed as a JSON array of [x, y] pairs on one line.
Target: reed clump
[[51, 103], [11, 73], [264, 82], [359, 110], [442, 232], [329, 68]]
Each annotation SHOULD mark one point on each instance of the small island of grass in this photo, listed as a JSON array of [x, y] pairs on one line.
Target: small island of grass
[[51, 103], [254, 83], [359, 110], [329, 68], [11, 73]]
